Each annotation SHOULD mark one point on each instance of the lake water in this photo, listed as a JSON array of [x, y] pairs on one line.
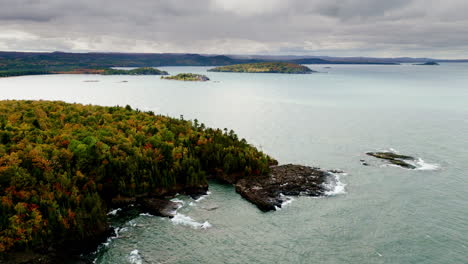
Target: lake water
[[382, 214]]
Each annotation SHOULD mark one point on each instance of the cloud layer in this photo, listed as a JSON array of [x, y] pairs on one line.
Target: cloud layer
[[430, 28]]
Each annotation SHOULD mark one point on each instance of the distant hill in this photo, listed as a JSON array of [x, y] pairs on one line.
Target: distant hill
[[341, 60], [321, 61], [27, 63], [27, 60]]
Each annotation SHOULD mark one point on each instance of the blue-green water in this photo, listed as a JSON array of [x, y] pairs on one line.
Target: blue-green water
[[329, 119]]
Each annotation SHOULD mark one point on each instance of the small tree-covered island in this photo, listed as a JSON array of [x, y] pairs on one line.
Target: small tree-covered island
[[188, 77], [265, 67], [64, 166]]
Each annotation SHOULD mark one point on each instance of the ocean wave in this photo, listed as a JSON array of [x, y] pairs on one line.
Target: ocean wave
[[146, 214], [422, 165], [287, 200], [180, 219], [114, 212], [334, 185], [175, 200], [135, 257], [203, 197]]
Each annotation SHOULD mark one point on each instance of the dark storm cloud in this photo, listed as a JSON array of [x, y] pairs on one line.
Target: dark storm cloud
[[346, 9], [313, 27]]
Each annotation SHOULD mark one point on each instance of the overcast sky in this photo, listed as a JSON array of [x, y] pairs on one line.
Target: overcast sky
[[384, 28]]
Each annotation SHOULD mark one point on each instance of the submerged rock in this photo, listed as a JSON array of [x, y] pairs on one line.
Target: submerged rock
[[196, 192], [266, 191], [394, 158], [159, 207], [210, 208], [429, 63]]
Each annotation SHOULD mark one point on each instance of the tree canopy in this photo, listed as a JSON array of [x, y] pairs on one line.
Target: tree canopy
[[61, 163]]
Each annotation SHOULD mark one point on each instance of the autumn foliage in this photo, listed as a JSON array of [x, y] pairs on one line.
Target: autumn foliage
[[60, 163]]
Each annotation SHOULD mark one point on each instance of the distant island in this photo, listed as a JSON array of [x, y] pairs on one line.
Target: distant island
[[429, 63], [138, 71], [191, 77], [38, 63], [265, 67]]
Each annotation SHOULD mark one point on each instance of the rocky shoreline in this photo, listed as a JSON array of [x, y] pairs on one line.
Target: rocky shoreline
[[265, 191]]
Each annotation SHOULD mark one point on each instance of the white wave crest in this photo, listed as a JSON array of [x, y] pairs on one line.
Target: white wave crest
[[422, 165], [180, 219], [286, 201], [203, 197], [175, 200], [146, 214], [135, 257], [114, 212], [334, 185]]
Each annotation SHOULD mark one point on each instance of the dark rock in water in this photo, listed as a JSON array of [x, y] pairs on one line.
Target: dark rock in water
[[265, 191], [394, 158], [389, 156], [429, 63], [210, 208], [196, 192], [364, 163], [159, 207]]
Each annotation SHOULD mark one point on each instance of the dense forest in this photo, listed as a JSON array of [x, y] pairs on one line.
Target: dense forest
[[138, 71], [101, 71], [265, 67], [61, 60], [30, 63], [61, 164]]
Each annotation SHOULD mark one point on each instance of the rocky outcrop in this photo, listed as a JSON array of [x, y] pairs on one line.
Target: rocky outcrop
[[159, 207], [267, 191], [393, 158]]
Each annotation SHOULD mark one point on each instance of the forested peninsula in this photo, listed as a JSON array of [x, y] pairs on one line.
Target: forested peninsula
[[265, 67], [100, 71], [63, 166]]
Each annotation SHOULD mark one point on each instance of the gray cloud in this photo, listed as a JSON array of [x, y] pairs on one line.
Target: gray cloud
[[311, 27]]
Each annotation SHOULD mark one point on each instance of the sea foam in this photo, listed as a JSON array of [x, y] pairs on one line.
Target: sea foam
[[422, 165], [135, 257], [114, 212], [286, 201], [180, 219], [203, 197], [334, 185]]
